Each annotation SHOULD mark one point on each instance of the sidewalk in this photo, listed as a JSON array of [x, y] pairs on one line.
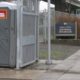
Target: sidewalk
[[71, 64], [68, 69]]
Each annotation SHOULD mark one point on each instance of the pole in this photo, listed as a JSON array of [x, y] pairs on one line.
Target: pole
[[19, 34], [49, 34], [38, 32], [45, 26], [18, 39]]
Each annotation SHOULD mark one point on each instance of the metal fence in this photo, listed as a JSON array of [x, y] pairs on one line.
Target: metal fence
[[27, 16], [56, 17]]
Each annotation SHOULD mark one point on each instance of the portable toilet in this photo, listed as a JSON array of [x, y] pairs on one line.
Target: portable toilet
[[18, 44]]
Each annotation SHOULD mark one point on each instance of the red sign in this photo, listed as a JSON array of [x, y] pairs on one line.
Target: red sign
[[3, 14]]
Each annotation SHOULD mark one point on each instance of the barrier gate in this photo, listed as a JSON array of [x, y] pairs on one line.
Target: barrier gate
[[27, 23]]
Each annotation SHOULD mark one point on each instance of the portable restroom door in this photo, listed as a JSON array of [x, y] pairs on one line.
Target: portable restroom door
[[4, 37]]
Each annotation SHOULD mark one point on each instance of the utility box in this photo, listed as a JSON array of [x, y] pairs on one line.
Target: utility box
[[18, 44]]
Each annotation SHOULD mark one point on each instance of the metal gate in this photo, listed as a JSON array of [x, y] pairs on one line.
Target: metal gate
[[26, 32]]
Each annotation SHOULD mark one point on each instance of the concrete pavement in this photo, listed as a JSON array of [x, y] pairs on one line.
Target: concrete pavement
[[69, 69], [71, 64]]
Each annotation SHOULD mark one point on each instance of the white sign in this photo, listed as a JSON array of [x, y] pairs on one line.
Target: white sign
[[2, 15]]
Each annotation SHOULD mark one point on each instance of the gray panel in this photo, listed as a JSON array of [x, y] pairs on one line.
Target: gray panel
[[29, 43], [13, 44], [28, 25], [28, 54], [28, 40]]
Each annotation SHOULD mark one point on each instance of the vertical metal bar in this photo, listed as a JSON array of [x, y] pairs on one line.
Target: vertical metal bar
[[54, 24], [35, 29], [19, 35], [45, 26], [76, 30], [18, 41], [49, 34], [38, 32], [21, 32]]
